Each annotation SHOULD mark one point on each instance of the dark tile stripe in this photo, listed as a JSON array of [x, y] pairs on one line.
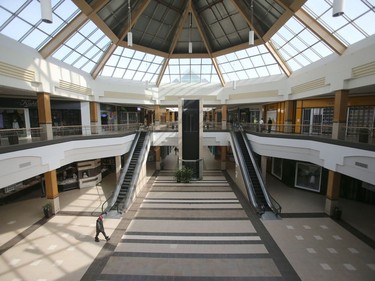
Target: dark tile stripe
[[116, 277], [191, 256], [192, 218], [5, 247]]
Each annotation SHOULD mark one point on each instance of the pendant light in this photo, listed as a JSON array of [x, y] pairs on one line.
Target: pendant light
[[130, 34], [251, 32], [190, 27], [46, 10], [338, 8]]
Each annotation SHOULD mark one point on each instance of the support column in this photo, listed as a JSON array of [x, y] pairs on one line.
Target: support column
[[45, 116], [333, 192], [157, 157], [157, 116], [52, 192], [85, 118], [339, 114], [263, 163], [118, 166], [94, 117], [289, 114], [224, 114], [223, 157]]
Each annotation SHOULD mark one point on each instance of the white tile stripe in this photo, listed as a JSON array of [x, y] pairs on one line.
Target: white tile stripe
[[191, 195], [191, 226], [192, 248], [191, 201], [190, 206], [191, 238]]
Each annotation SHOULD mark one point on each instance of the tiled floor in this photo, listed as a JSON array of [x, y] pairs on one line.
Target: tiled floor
[[200, 232]]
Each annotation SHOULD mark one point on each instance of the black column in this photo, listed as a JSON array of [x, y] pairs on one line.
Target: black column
[[190, 135]]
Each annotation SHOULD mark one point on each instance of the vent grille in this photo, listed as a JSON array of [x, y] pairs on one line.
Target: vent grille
[[363, 70], [17, 72], [308, 86], [71, 87]]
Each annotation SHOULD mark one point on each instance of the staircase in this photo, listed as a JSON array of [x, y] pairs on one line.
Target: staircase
[[129, 174]]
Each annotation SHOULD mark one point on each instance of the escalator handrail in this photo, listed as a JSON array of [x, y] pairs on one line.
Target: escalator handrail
[[123, 173], [266, 194], [245, 174], [142, 155]]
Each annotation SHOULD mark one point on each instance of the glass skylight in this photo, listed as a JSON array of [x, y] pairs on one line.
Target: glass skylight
[[193, 70], [21, 20], [134, 65], [84, 48], [354, 25], [253, 62], [298, 46]]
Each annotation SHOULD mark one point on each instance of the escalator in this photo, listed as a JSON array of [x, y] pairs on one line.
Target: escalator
[[258, 195], [129, 175]]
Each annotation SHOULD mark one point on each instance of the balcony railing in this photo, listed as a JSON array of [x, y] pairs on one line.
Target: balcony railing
[[345, 133], [23, 135]]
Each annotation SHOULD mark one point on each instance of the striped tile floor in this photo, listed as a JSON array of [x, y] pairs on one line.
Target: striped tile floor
[[194, 231]]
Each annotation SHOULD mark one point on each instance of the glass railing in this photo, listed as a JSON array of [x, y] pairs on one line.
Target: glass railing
[[345, 133], [31, 135]]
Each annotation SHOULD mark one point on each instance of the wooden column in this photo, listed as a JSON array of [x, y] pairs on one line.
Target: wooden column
[[288, 116], [44, 115], [333, 192], [339, 114], [224, 115], [157, 116], [52, 192], [94, 117]]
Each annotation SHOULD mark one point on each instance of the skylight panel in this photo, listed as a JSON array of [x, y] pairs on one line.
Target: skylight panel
[[238, 66], [22, 21], [355, 24], [303, 48]]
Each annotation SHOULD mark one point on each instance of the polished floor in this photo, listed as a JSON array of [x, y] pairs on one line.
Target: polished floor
[[200, 231]]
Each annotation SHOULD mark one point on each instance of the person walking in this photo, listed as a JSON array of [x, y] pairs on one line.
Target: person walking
[[100, 229], [261, 124], [269, 124]]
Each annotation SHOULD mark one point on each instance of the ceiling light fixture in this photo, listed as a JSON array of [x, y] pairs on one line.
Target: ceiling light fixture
[[190, 26], [251, 32], [130, 34], [338, 8], [46, 10]]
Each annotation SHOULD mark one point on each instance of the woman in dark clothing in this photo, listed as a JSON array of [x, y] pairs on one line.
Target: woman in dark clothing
[[100, 229], [269, 124]]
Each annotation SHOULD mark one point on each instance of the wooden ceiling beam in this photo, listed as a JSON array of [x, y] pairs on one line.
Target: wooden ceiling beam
[[207, 44], [321, 31]]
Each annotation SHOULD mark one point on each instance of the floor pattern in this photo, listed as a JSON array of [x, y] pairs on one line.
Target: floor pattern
[[195, 231]]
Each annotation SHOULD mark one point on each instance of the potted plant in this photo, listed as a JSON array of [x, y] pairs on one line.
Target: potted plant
[[47, 210], [178, 175], [187, 174]]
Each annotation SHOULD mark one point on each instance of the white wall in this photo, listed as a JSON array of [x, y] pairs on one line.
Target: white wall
[[23, 164]]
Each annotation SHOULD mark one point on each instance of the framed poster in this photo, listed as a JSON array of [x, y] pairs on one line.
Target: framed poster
[[308, 176], [277, 167]]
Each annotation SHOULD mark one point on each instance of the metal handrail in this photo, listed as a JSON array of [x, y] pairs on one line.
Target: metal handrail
[[250, 191], [260, 178], [132, 187], [123, 174]]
